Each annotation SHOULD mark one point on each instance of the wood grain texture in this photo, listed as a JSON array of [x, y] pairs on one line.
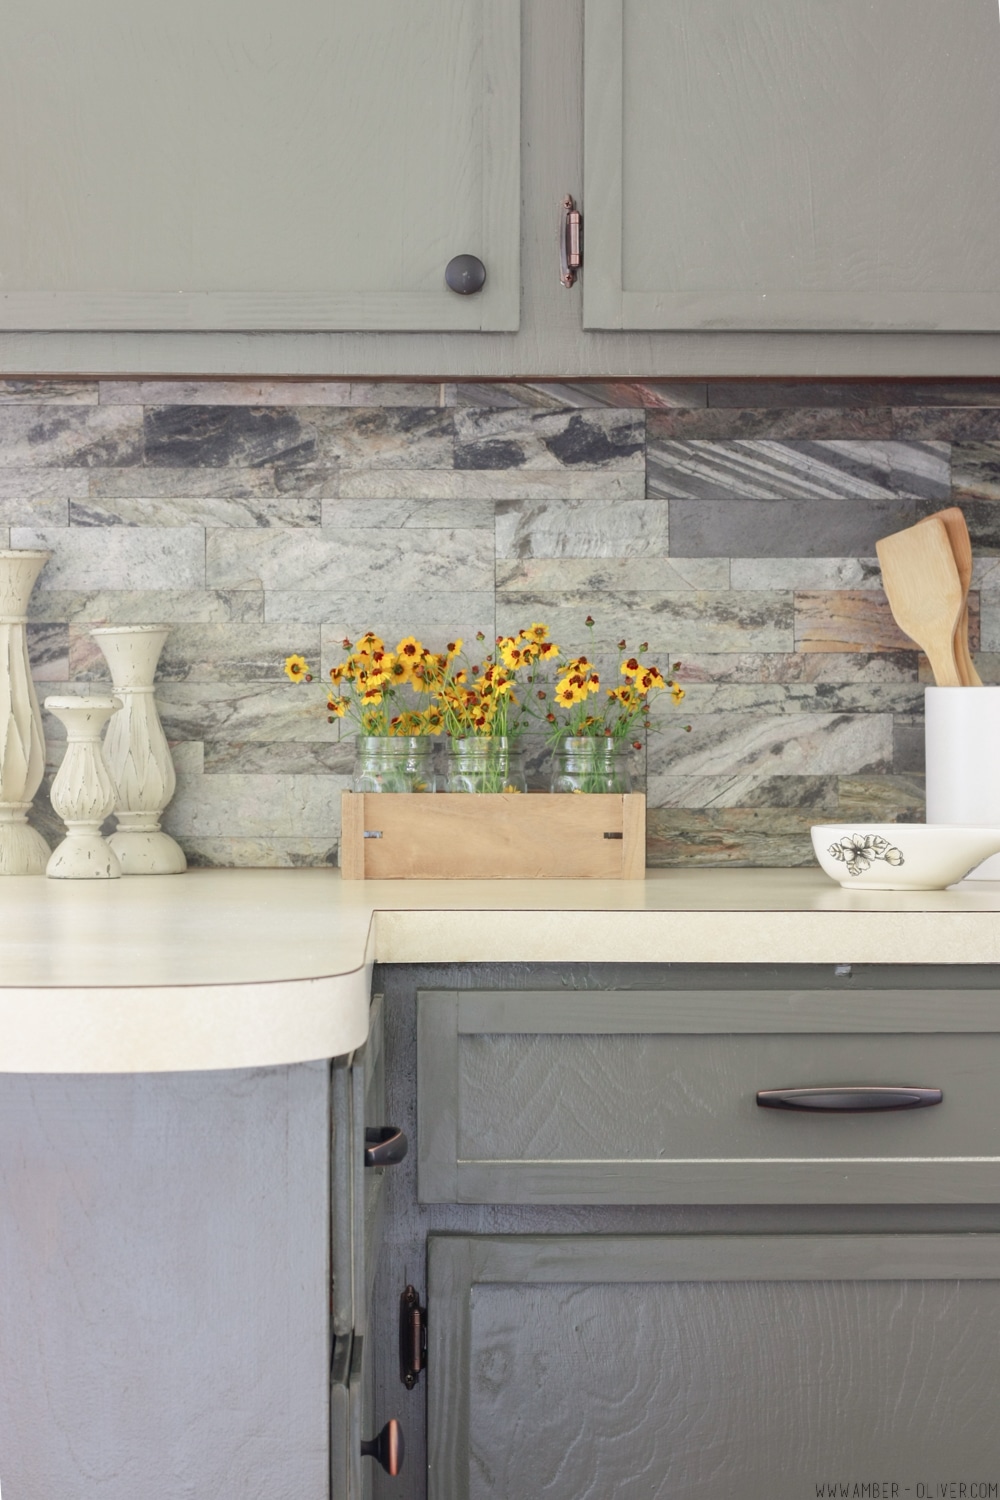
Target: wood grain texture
[[925, 593], [456, 836], [698, 1369], [641, 1099], [955, 525]]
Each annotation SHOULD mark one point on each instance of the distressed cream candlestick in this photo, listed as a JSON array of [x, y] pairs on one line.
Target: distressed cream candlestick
[[137, 754], [83, 793], [23, 851]]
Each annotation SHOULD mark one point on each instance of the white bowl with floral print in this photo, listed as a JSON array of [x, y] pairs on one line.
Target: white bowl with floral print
[[901, 856]]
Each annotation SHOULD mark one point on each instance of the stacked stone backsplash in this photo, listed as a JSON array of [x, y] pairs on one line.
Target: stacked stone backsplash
[[730, 524]]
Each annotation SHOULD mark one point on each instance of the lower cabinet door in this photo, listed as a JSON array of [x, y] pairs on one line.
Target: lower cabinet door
[[724, 1367]]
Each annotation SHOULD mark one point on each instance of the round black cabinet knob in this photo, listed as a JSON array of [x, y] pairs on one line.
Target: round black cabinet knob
[[465, 274]]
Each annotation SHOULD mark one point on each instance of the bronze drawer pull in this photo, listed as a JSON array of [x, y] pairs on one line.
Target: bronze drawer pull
[[385, 1145], [849, 1099]]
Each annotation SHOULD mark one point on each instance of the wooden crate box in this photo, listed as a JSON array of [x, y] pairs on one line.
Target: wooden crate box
[[463, 836]]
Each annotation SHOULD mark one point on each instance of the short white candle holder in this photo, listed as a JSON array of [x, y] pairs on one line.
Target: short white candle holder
[[83, 793]]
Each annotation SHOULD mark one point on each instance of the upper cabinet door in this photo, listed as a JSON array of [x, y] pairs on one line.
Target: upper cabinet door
[[313, 165], [792, 164]]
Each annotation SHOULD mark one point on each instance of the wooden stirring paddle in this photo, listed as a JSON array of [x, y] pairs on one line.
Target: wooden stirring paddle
[[925, 593], [958, 535]]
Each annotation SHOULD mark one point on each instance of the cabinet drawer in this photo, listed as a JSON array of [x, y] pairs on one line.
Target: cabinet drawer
[[651, 1097]]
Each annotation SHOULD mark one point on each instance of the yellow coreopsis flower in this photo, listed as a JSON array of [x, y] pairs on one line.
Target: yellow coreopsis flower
[[297, 669]]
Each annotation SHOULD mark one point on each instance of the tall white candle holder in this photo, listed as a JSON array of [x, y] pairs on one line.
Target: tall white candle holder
[[83, 793], [137, 754], [23, 851], [962, 736]]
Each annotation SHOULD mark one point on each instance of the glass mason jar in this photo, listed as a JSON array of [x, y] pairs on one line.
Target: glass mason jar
[[485, 764], [591, 765], [393, 763]]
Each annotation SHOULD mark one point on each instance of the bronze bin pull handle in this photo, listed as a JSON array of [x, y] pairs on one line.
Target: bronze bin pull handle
[[849, 1099]]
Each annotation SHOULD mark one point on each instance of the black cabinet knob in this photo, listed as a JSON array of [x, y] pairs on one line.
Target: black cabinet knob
[[465, 274], [387, 1448]]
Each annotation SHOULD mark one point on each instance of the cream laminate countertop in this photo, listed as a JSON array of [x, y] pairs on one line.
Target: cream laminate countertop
[[249, 968]]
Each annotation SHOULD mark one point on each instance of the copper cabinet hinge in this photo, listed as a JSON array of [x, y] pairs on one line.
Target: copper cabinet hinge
[[570, 241], [412, 1337]]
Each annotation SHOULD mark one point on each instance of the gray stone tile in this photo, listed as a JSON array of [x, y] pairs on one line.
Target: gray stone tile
[[217, 436], [26, 486], [815, 794], [800, 697], [881, 799], [264, 853], [192, 484], [522, 439], [242, 711], [888, 668], [785, 528], [284, 510], [346, 613], [396, 393], [53, 436], [48, 392], [257, 806], [496, 484], [583, 579], [947, 424], [988, 667], [989, 622], [763, 837], [208, 653], [147, 607], [795, 744], [287, 758], [148, 557], [975, 471], [770, 470], [580, 528], [579, 393], [382, 437], [672, 623], [48, 652], [330, 558], [849, 620], [441, 515], [956, 392], [727, 424], [37, 512], [225, 393], [806, 573]]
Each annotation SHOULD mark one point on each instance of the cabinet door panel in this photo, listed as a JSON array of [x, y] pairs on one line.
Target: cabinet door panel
[[233, 167], [792, 164], [711, 1368]]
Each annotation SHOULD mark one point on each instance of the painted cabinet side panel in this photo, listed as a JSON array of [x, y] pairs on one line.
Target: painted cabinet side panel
[[164, 1285]]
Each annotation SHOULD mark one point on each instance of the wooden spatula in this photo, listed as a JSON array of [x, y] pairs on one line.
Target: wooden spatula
[[925, 593], [958, 535]]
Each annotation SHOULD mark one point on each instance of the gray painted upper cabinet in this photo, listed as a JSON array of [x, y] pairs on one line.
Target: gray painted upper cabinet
[[792, 164], [237, 166]]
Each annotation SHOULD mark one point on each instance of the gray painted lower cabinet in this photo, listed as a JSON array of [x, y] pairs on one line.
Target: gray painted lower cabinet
[[185, 1264], [641, 1284], [721, 1367]]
